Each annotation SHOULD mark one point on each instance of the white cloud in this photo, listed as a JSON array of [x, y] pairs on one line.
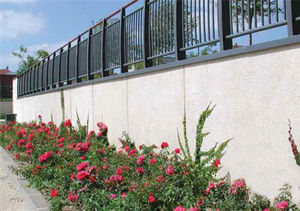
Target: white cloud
[[12, 61], [14, 24], [46, 46]]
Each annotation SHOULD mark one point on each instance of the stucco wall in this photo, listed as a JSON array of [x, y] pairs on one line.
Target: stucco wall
[[6, 107], [255, 94]]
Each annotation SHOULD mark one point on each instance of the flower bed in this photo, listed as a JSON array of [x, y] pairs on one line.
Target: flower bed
[[81, 169]]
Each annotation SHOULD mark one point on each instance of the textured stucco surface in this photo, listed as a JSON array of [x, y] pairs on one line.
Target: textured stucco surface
[[255, 94]]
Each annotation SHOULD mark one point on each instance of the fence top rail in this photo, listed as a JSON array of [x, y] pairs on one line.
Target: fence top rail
[[86, 31]]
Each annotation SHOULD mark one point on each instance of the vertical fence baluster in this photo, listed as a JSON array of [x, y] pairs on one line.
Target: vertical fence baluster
[[293, 11], [42, 75], [52, 71], [103, 49], [59, 68], [147, 63], [89, 58], [262, 12], [224, 25], [178, 12], [68, 64], [47, 79], [77, 60], [34, 79], [122, 42]]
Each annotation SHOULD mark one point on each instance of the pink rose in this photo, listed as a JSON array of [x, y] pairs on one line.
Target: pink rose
[[170, 170], [140, 159]]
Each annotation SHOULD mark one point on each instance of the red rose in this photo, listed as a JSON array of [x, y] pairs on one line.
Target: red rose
[[119, 171], [82, 175], [101, 126], [61, 140], [44, 157], [60, 145], [151, 199], [29, 145], [81, 166], [112, 196], [8, 147], [179, 208], [68, 123], [92, 179], [29, 151], [131, 152], [170, 170], [54, 193], [139, 170], [164, 145], [140, 159], [177, 150], [21, 142], [217, 163], [17, 156], [72, 176], [99, 135], [72, 197], [84, 147], [160, 178], [152, 161], [30, 137]]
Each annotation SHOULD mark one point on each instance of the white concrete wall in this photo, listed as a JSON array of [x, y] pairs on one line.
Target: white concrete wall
[[6, 107], [255, 94]]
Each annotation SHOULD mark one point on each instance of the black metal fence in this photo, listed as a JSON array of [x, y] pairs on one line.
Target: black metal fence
[[160, 31]]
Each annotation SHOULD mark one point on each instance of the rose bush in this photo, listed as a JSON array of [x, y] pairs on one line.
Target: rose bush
[[81, 169]]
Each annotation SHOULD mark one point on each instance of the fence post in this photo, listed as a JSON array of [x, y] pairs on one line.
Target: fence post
[[103, 49], [147, 63], [42, 75], [293, 11], [30, 80], [37, 77], [47, 76], [89, 76], [59, 68], [23, 84], [123, 68], [178, 32], [224, 24], [27, 82], [67, 66], [52, 71], [77, 60], [34, 78]]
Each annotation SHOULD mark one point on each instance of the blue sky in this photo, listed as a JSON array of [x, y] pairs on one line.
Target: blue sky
[[46, 24]]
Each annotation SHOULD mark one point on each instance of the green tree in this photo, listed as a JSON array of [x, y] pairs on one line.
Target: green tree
[[255, 8], [28, 60]]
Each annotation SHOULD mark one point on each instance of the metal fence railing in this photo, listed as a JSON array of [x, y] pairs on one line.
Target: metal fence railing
[[157, 32]]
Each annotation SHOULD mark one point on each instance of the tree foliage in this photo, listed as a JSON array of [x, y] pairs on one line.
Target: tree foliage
[[28, 60]]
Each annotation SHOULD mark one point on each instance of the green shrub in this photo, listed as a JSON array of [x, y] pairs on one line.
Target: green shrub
[[81, 169]]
